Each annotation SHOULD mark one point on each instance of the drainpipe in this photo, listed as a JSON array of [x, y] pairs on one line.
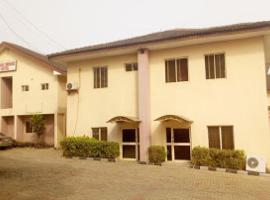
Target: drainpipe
[[144, 103]]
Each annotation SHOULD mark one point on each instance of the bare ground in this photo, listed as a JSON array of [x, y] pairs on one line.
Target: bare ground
[[31, 174]]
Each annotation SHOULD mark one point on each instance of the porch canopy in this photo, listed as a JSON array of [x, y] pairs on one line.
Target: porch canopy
[[181, 120], [121, 119]]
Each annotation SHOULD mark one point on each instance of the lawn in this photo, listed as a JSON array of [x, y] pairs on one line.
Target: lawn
[[32, 174]]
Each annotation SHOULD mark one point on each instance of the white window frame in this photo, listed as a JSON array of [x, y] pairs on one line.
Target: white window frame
[[136, 144], [175, 68], [100, 77], [225, 68], [99, 133], [134, 66]]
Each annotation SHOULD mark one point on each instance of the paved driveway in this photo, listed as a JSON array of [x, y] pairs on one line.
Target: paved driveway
[[30, 174]]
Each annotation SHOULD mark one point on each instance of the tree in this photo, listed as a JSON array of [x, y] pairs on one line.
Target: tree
[[38, 124]]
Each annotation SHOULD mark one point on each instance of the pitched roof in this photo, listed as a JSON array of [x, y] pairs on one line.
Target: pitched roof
[[40, 57], [169, 35]]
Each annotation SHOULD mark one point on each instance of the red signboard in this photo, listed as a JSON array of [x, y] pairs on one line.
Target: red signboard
[[8, 66]]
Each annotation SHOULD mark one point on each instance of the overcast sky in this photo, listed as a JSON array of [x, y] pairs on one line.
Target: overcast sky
[[40, 24]]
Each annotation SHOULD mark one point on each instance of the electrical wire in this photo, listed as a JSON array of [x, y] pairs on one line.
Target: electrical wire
[[34, 26], [14, 32]]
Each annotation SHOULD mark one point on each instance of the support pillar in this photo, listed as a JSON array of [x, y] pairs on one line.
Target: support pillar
[[144, 102]]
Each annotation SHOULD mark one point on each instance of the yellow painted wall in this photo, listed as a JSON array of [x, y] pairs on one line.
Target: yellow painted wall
[[239, 100], [94, 107], [33, 73]]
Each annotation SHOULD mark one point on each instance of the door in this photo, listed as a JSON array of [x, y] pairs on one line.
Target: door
[[178, 144], [129, 144]]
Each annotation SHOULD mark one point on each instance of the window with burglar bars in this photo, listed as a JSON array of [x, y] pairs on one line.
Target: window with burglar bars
[[215, 66], [100, 77], [176, 70]]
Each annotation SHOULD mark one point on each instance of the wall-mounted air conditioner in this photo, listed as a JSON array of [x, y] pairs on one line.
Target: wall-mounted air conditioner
[[72, 86], [255, 164]]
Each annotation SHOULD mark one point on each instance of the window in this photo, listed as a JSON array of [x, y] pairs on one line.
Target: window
[[215, 66], [100, 133], [100, 77], [176, 70], [28, 126], [44, 86], [221, 137], [25, 88], [130, 147], [131, 67]]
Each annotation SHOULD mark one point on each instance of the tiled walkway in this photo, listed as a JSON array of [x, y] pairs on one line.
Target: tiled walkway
[[30, 174]]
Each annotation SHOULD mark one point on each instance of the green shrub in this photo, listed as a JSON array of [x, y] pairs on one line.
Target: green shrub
[[235, 159], [157, 154], [230, 159], [97, 150], [112, 150], [38, 124], [200, 156], [215, 158], [77, 146], [89, 147]]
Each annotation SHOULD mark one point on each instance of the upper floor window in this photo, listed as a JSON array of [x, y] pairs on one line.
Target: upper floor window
[[25, 88], [100, 133], [221, 137], [215, 66], [131, 67], [176, 70], [44, 86], [100, 77]]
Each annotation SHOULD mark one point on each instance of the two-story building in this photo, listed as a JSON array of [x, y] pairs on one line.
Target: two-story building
[[31, 84], [179, 88]]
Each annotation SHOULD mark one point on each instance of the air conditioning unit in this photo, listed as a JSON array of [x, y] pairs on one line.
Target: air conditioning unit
[[72, 86], [255, 164]]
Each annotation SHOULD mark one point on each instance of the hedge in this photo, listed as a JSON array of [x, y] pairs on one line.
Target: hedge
[[89, 147], [229, 159], [157, 154]]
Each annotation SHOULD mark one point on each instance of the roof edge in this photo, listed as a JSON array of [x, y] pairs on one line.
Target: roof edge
[[168, 35]]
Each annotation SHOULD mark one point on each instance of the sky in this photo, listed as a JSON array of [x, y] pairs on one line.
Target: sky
[[49, 26]]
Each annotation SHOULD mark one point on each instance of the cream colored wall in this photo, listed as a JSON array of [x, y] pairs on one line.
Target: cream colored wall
[[62, 94], [30, 73], [94, 107], [239, 100], [47, 136], [8, 126], [35, 101]]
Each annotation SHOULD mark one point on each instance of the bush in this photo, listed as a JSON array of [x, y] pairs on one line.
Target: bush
[[89, 147], [112, 150], [38, 124], [157, 154], [235, 159], [229, 159], [200, 156]]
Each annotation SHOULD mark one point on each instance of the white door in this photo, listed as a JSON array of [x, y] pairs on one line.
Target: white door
[[178, 144]]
